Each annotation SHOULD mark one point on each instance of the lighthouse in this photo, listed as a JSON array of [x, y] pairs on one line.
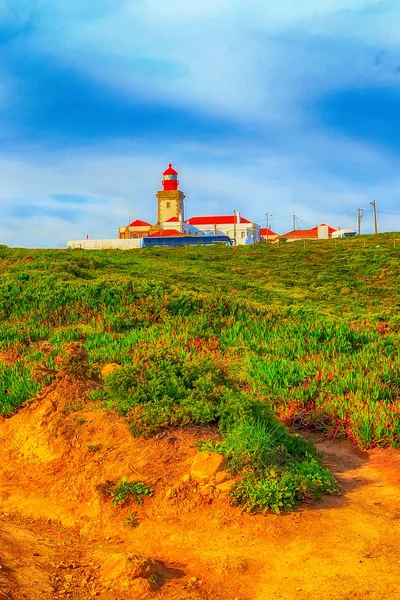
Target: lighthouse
[[170, 198], [170, 179]]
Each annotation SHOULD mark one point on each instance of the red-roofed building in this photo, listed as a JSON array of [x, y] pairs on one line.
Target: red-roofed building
[[267, 234], [320, 232], [300, 234], [235, 226], [330, 229], [136, 229]]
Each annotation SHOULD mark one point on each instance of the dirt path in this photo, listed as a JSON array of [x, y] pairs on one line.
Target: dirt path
[[40, 559], [56, 532]]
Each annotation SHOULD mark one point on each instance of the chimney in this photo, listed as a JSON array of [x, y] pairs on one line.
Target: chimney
[[323, 232]]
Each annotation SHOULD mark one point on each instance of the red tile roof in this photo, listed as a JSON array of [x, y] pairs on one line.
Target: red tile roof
[[165, 233], [263, 232], [306, 233], [330, 229], [172, 220], [301, 234], [139, 223], [217, 220]]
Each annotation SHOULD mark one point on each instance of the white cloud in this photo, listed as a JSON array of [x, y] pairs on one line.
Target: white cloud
[[228, 54]]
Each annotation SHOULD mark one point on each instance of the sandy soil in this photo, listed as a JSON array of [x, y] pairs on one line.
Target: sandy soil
[[57, 529]]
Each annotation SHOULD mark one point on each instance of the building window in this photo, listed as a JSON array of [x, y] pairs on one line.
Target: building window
[[168, 204], [243, 234]]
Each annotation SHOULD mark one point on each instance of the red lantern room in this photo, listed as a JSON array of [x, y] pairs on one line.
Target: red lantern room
[[170, 179]]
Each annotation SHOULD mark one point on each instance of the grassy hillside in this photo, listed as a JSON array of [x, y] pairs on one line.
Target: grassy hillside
[[226, 335]]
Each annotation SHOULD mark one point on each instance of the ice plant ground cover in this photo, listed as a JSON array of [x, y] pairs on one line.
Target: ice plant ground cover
[[249, 338]]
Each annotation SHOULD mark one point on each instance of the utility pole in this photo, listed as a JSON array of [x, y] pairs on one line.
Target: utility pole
[[375, 216], [129, 218], [359, 217], [234, 224], [294, 222]]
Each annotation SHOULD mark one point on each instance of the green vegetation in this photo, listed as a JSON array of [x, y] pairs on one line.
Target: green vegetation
[[231, 336], [280, 470], [15, 386], [132, 520], [136, 489]]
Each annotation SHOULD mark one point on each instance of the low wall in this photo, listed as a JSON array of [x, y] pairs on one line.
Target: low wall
[[105, 244]]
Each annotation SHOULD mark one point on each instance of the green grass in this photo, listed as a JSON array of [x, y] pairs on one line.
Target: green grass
[[233, 336]]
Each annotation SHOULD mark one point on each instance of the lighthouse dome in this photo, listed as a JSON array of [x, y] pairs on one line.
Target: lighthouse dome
[[170, 170]]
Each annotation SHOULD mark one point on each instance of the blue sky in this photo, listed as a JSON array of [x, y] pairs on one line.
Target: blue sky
[[286, 107]]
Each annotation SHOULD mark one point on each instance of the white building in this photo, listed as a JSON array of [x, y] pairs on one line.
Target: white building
[[177, 224], [342, 233], [136, 229], [236, 227]]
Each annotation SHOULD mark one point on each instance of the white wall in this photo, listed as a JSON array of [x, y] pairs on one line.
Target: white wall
[[244, 232], [343, 233], [174, 225], [105, 244], [323, 232]]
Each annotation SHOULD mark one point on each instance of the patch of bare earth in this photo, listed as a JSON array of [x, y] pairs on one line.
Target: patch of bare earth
[[62, 537]]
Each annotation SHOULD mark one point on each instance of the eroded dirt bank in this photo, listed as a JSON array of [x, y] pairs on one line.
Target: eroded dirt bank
[[58, 530]]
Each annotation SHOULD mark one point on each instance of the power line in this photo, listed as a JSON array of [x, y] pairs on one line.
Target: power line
[[285, 217], [261, 220], [303, 221], [350, 212], [381, 212]]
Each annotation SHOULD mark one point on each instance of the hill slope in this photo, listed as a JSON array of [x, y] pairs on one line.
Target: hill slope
[[311, 332]]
